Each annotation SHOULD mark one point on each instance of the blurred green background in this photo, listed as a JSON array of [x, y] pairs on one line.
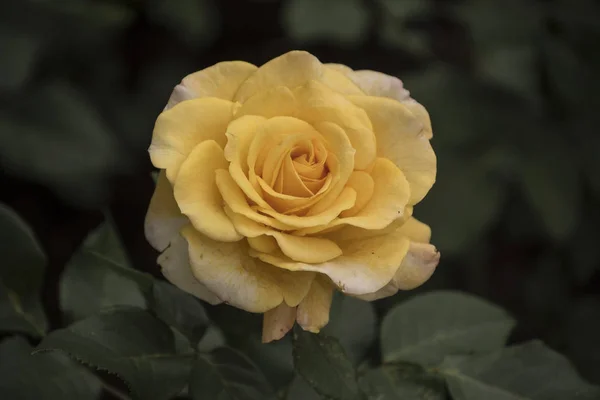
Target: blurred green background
[[512, 88]]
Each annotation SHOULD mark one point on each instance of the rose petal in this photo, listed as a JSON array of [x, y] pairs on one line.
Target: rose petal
[[234, 198], [344, 201], [401, 139], [294, 247], [163, 219], [390, 196], [291, 70], [180, 129], [175, 265], [277, 322], [317, 103], [313, 311], [416, 268], [240, 135], [375, 83], [198, 196], [227, 270], [221, 80], [275, 102], [365, 266]]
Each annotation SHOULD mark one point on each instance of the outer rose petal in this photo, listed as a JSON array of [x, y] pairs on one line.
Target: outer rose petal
[[221, 80], [375, 83], [418, 265], [227, 270], [365, 266], [294, 69], [163, 219], [198, 196], [400, 139], [180, 129], [313, 311], [277, 322], [175, 264]]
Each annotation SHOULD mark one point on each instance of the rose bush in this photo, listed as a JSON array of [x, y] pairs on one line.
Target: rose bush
[[282, 183]]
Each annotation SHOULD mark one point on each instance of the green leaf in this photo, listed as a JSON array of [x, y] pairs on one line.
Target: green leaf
[[299, 389], [130, 343], [98, 276], [47, 376], [530, 371], [321, 360], [242, 331], [353, 322], [180, 310], [228, 375], [21, 275], [343, 21], [58, 139], [402, 382], [429, 327]]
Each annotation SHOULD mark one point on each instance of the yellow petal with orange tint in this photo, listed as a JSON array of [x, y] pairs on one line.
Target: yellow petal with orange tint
[[293, 69], [294, 247], [401, 138], [277, 322], [365, 266], [313, 311], [180, 129], [175, 266], [317, 103], [234, 198], [221, 80], [364, 186], [227, 270], [197, 194]]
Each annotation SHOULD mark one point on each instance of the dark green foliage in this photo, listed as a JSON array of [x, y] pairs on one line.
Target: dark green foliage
[[512, 90]]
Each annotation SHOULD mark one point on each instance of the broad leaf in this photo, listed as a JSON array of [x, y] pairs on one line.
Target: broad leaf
[[21, 273], [130, 343], [180, 310], [51, 376], [226, 374], [299, 389], [98, 276], [530, 371], [321, 360], [429, 327], [242, 331], [402, 382], [354, 323]]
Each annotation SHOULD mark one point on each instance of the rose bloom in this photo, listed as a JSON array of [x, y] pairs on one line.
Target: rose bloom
[[282, 183]]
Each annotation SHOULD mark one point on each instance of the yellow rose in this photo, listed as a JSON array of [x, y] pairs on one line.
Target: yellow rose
[[282, 183]]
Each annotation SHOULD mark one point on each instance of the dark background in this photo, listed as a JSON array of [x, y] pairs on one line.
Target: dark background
[[511, 87]]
